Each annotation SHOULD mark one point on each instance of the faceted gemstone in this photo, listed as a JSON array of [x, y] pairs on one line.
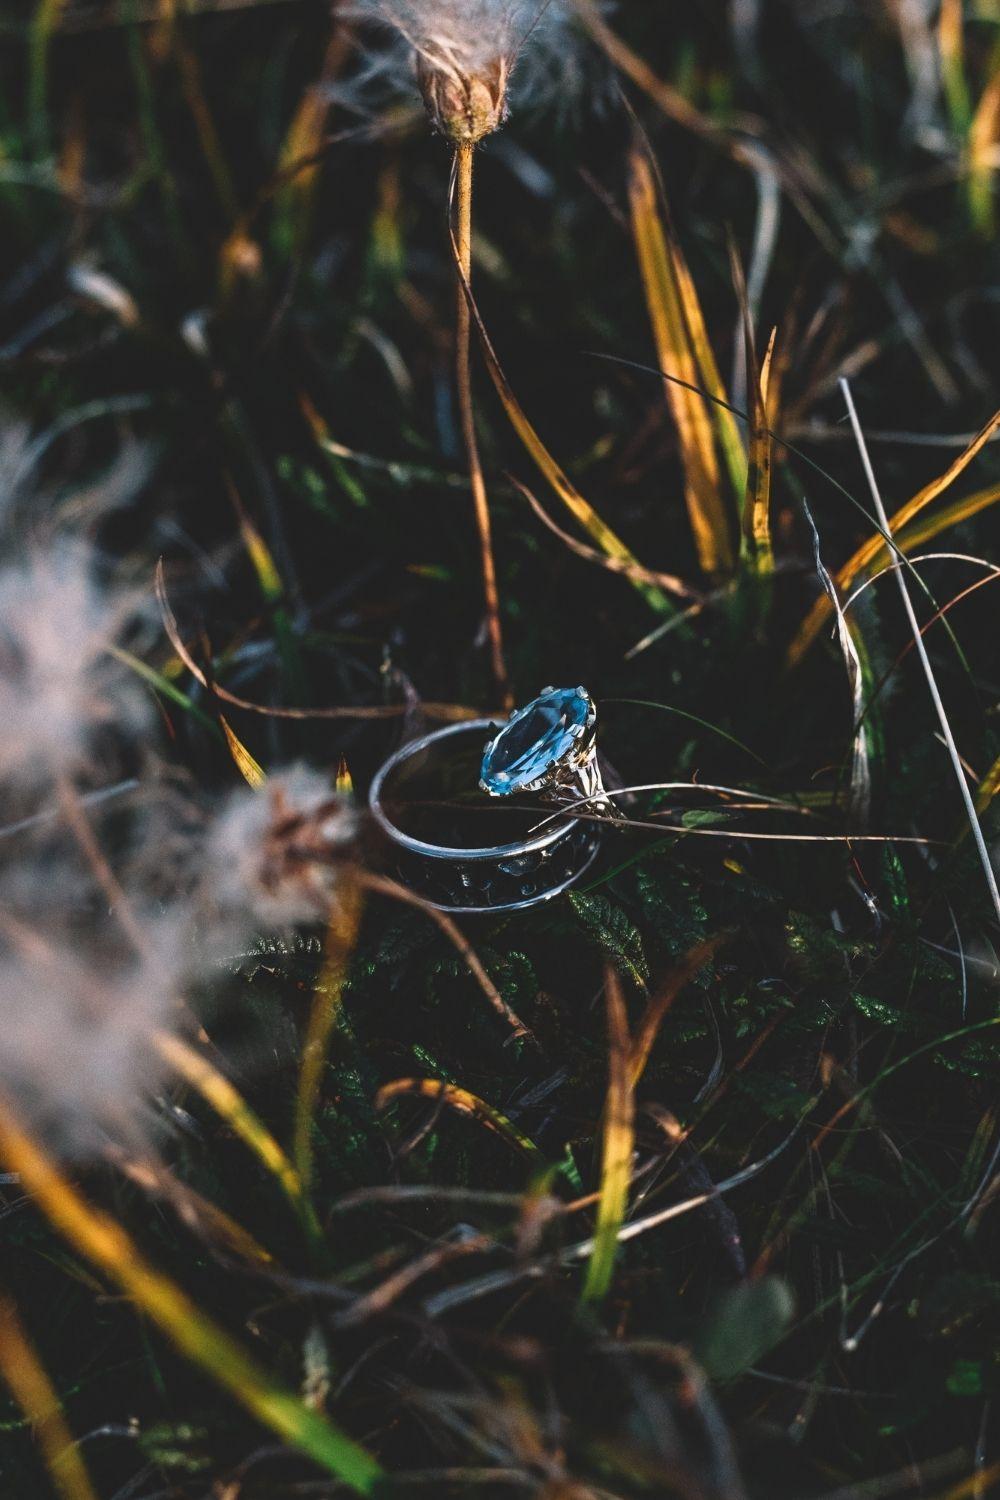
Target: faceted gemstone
[[535, 739]]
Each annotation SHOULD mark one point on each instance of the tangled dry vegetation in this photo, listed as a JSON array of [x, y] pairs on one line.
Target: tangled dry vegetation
[[685, 1184]]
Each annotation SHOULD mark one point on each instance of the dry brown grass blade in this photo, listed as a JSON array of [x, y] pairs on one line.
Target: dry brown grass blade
[[25, 1376], [663, 997], [464, 1102], [448, 712], [381, 885], [202, 1217], [702, 489], [874, 551], [618, 1143], [608, 541], [667, 581]]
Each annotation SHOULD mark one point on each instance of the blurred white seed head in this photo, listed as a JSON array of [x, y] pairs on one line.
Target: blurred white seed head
[[273, 854], [59, 686], [464, 52], [77, 1021]]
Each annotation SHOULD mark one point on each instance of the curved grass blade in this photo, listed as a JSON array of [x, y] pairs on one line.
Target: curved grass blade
[[608, 541], [875, 550], [201, 1340], [465, 1103], [26, 1377]]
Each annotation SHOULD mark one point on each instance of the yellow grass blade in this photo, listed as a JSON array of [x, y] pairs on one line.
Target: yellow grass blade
[[988, 787], [229, 1104], [707, 515], [619, 1137], [757, 505], [951, 44], [726, 427], [598, 530], [341, 936], [874, 550], [984, 140], [95, 1235], [251, 771], [24, 1373], [464, 1102]]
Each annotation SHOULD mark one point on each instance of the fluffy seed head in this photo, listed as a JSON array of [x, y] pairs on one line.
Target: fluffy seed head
[[58, 685], [77, 1020], [273, 854], [464, 51]]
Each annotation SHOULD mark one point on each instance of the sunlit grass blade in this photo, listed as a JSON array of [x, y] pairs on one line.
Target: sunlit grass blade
[[619, 1137], [960, 777], [464, 1102], [951, 45], [702, 488], [251, 771], [757, 503], [229, 1104], [988, 787], [562, 486], [984, 142], [341, 936], [24, 1374], [874, 550], [102, 1241], [300, 162]]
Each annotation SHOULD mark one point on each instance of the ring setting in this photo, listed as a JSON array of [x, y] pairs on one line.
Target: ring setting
[[549, 748]]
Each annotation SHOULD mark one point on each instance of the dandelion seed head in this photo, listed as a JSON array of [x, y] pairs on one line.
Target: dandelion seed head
[[59, 687], [273, 854]]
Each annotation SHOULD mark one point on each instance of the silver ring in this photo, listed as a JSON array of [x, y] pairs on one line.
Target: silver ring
[[479, 878], [549, 747]]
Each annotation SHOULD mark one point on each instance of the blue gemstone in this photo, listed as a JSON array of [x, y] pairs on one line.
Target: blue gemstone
[[535, 739]]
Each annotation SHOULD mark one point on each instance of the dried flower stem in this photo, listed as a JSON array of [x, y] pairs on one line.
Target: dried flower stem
[[463, 240]]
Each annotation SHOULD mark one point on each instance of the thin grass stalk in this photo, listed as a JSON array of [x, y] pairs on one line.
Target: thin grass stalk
[[342, 932], [925, 662], [108, 1247], [466, 413], [29, 1384]]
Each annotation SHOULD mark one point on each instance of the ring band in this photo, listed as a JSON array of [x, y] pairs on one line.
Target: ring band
[[492, 878]]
